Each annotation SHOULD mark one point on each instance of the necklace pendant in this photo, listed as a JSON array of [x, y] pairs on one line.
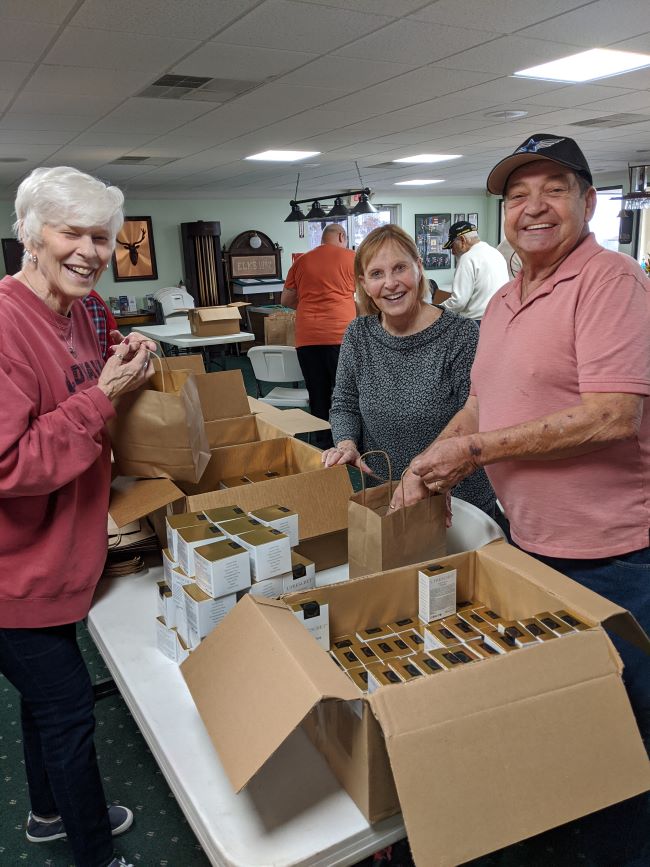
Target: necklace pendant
[[72, 351]]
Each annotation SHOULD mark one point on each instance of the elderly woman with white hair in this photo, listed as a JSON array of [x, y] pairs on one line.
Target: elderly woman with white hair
[[57, 396]]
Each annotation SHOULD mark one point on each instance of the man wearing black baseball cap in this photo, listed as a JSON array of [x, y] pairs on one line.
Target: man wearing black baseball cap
[[480, 271], [559, 406]]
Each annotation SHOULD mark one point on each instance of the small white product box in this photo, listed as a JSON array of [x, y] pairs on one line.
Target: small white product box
[[224, 513], [281, 518], [189, 538], [222, 567], [173, 523], [269, 551], [234, 527], [204, 612], [169, 563], [437, 592], [170, 643], [179, 580], [301, 577], [314, 616], [166, 604]]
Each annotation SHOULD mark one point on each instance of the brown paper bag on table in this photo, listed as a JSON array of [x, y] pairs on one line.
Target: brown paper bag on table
[[159, 430], [380, 538], [280, 329]]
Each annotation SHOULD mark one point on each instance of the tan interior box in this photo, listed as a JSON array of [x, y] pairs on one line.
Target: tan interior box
[[218, 321], [386, 755]]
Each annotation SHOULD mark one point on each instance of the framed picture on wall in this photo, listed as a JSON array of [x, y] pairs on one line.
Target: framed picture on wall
[[473, 219], [135, 257], [431, 231], [458, 218]]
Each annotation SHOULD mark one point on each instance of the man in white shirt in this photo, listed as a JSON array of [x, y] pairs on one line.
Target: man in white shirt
[[480, 271]]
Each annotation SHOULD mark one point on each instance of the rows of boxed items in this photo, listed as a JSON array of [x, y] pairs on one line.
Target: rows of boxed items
[[387, 728], [446, 634], [213, 558]]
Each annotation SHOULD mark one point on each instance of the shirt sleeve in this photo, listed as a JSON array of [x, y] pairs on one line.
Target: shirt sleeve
[[98, 316], [345, 415], [290, 280], [41, 453], [462, 358], [612, 344], [462, 287]]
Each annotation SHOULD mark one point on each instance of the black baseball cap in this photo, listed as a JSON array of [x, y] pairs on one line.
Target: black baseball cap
[[539, 146], [462, 227]]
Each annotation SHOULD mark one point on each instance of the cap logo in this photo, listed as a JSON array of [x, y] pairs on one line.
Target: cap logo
[[532, 146]]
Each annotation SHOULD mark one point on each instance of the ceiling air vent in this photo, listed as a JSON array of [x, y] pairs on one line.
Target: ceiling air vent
[[137, 160], [611, 121], [197, 88]]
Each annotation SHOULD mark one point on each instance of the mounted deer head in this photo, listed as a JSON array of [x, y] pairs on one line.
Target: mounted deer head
[[133, 247]]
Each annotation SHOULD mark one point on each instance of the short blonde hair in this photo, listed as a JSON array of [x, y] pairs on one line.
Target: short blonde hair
[[369, 248]]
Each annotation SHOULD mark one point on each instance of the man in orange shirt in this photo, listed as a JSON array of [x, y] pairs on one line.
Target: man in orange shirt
[[320, 287]]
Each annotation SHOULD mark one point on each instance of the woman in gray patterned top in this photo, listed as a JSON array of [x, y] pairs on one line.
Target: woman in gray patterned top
[[403, 370]]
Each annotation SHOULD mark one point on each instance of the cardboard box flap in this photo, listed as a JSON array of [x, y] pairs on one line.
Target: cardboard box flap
[[222, 395], [190, 361], [295, 421], [131, 498], [570, 594], [216, 314], [525, 722], [251, 694]]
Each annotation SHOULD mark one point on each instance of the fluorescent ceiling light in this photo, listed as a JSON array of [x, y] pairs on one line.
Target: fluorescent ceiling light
[[283, 156], [419, 182], [429, 158], [588, 65]]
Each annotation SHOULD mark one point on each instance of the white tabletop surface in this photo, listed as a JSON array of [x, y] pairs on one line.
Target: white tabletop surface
[[293, 812], [178, 334]]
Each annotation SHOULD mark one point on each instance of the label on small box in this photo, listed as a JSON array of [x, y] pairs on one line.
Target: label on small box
[[314, 616], [436, 592]]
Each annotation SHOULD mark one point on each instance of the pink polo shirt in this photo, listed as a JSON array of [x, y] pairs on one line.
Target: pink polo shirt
[[586, 329]]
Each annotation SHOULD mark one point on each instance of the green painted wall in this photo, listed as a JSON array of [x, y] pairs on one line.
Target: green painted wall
[[266, 215]]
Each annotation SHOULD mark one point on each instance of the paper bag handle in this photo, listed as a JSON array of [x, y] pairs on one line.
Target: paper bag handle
[[363, 476]]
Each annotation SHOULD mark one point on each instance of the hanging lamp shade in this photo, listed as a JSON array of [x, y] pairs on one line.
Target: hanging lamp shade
[[296, 215], [316, 212], [338, 208], [363, 206]]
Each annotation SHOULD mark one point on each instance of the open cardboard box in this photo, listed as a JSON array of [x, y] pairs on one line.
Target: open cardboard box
[[216, 321], [477, 758]]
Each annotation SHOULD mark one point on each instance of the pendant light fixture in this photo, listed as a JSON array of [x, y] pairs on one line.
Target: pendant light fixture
[[338, 209], [363, 206], [296, 215]]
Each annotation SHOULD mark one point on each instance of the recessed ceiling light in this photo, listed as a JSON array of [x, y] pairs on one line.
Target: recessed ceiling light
[[429, 158], [506, 114], [588, 65], [418, 182], [283, 156]]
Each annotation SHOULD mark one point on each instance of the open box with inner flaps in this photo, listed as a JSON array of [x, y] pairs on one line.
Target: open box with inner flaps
[[525, 719]]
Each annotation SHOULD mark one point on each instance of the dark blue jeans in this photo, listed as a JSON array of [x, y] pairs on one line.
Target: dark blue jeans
[[58, 722]]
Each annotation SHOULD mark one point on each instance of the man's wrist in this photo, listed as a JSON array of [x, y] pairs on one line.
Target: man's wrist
[[475, 449]]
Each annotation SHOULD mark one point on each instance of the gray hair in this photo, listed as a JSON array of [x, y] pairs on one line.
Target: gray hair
[[65, 196]]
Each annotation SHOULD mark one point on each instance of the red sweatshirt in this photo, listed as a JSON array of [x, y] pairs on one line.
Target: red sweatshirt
[[54, 461]]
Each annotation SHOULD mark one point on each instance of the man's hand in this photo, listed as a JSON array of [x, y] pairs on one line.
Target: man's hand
[[445, 463], [409, 490]]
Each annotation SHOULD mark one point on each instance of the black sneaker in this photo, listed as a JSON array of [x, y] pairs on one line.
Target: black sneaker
[[44, 831]]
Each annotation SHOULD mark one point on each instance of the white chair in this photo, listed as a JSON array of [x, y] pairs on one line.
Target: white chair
[[278, 364], [471, 528]]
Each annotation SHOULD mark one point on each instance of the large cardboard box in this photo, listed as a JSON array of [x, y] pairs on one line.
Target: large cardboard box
[[216, 321], [451, 751]]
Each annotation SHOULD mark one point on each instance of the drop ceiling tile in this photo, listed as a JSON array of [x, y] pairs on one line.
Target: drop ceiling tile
[[91, 107], [415, 42], [105, 49], [87, 81], [380, 7], [575, 95], [126, 140], [506, 55], [286, 24], [349, 72], [195, 20], [151, 115], [5, 98], [51, 12], [24, 40], [39, 122], [504, 16], [217, 60], [9, 137], [640, 42], [637, 101], [602, 23], [12, 73]]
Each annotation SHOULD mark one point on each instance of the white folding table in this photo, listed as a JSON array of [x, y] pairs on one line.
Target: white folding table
[[178, 334]]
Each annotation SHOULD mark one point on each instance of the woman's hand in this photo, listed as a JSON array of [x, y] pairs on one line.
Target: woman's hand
[[409, 490], [127, 369], [345, 452], [129, 345]]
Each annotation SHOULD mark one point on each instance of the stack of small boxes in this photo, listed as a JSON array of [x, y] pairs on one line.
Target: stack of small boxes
[[214, 556], [446, 635]]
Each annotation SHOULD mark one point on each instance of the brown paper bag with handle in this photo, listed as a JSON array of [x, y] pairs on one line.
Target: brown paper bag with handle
[[280, 329], [380, 538], [159, 430]]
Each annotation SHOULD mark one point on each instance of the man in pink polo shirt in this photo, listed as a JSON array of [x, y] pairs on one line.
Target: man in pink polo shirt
[[558, 411]]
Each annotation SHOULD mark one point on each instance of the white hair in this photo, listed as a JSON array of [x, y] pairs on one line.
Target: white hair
[[65, 196], [471, 236]]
